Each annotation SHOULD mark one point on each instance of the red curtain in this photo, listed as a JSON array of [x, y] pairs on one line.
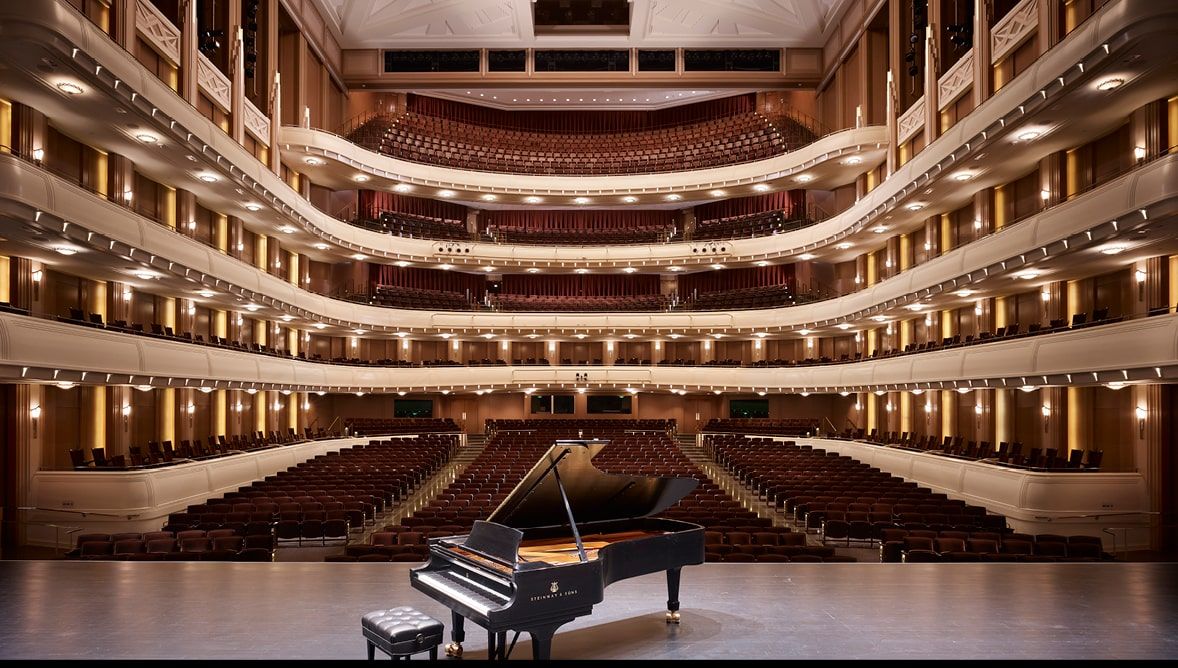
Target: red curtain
[[734, 279], [580, 285], [788, 201], [429, 279], [577, 220], [587, 121], [372, 204]]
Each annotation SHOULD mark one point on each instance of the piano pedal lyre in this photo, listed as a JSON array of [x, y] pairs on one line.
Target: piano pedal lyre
[[454, 650], [672, 616]]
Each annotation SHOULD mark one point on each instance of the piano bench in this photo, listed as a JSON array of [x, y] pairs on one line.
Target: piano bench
[[401, 632]]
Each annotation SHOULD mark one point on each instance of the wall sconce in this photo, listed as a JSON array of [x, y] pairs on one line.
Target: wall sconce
[[38, 155], [126, 410], [237, 408], [1044, 195], [1140, 277], [978, 409], [128, 196], [888, 407], [191, 409], [1046, 415], [1139, 153], [1141, 414], [928, 407], [37, 275], [35, 414]]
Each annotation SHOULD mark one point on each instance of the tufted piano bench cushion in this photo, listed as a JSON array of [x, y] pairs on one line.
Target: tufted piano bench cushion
[[400, 632]]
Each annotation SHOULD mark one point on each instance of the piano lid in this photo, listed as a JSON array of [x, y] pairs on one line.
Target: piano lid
[[594, 496]]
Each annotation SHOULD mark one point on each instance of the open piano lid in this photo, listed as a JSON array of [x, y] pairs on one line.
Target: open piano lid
[[594, 496]]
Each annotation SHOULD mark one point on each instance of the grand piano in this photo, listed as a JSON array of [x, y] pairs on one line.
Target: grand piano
[[546, 554]]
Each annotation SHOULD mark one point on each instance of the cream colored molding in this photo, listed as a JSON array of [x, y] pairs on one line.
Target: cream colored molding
[[257, 123], [213, 83], [956, 81], [158, 30], [1015, 27], [910, 122]]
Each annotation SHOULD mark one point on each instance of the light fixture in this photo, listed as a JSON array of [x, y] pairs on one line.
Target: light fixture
[[253, 207], [717, 266], [445, 335], [760, 394], [917, 307], [674, 197], [1110, 84], [963, 390], [488, 197], [144, 388], [977, 224], [843, 246], [126, 410], [287, 229], [252, 307], [717, 193], [360, 178], [1046, 410], [674, 268], [760, 335], [762, 263], [964, 293], [359, 256], [1139, 275], [963, 176], [487, 335], [446, 193], [147, 138], [66, 250], [38, 155], [533, 270], [672, 336], [977, 408], [804, 332], [359, 394], [853, 160], [915, 206], [70, 88], [804, 178], [1141, 412], [581, 200], [402, 188], [445, 267], [888, 407], [321, 246], [761, 187], [1029, 135], [208, 177], [843, 326], [66, 385], [580, 335], [313, 161], [1139, 153], [629, 270], [1045, 195], [144, 275], [629, 199], [1029, 275], [1028, 388], [532, 199], [320, 325], [928, 407], [879, 229]]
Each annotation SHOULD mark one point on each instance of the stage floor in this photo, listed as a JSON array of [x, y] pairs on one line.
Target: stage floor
[[293, 610]]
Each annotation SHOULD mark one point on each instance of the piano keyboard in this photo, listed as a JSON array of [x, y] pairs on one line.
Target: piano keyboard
[[475, 595]]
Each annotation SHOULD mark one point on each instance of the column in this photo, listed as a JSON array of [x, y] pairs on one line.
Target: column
[[261, 410], [932, 113], [1003, 416], [1080, 404], [165, 417], [236, 73], [906, 424], [981, 51], [186, 212], [983, 212], [122, 178], [273, 80], [119, 407], [948, 413], [189, 43], [220, 413], [124, 29]]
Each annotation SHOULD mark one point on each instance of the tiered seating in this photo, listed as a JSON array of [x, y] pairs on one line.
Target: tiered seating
[[765, 296], [164, 454], [775, 426], [420, 227], [433, 140], [597, 303], [419, 298], [366, 426], [760, 224], [1006, 454]]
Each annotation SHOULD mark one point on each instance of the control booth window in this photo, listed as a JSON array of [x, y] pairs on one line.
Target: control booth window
[[552, 404], [413, 408], [748, 408], [597, 404]]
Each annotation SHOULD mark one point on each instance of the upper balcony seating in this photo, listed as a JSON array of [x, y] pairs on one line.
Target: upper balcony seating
[[418, 227], [1006, 454], [432, 140], [595, 303], [419, 298], [760, 224], [765, 296]]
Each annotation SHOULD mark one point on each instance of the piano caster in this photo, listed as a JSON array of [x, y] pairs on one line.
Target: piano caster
[[672, 616], [454, 650]]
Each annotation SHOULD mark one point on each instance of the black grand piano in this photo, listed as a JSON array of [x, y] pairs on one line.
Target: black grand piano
[[546, 554]]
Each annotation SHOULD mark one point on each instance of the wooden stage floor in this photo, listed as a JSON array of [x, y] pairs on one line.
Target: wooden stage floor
[[299, 610]]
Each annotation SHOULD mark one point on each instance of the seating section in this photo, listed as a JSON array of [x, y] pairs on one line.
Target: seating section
[[844, 500], [774, 427], [163, 453], [420, 298], [513, 302], [635, 234], [760, 224], [432, 140], [765, 296], [637, 447], [416, 226], [319, 501], [1005, 454], [366, 426]]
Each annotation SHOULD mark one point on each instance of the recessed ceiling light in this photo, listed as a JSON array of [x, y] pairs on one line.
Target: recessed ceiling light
[[402, 187], [1110, 84], [207, 177], [879, 318], [320, 325], [580, 270], [446, 193], [843, 325], [915, 206], [66, 250], [532, 199], [843, 246], [402, 263], [253, 207], [533, 335], [630, 335], [581, 200], [964, 293], [674, 268], [287, 229], [629, 270], [762, 263], [206, 293], [963, 176], [760, 335], [402, 334], [717, 193], [1027, 275], [313, 161], [488, 269], [674, 197], [360, 178], [322, 246], [580, 336], [761, 187], [147, 138], [853, 160], [803, 178], [144, 275], [445, 267], [1114, 249], [879, 229], [359, 256], [806, 256], [674, 336], [917, 307], [287, 318], [804, 332], [533, 270], [717, 266], [717, 335], [254, 307], [1029, 135], [488, 197], [70, 88]]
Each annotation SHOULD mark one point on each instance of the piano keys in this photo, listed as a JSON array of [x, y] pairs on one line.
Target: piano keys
[[546, 554]]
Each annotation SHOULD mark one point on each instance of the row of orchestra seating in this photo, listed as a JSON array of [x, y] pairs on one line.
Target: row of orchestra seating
[[431, 140], [187, 545], [925, 545]]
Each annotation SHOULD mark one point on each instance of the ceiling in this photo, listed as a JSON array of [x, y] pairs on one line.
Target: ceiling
[[360, 24]]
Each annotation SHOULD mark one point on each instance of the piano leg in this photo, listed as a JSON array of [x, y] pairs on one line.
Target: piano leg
[[457, 635], [542, 641], [673, 595], [492, 648]]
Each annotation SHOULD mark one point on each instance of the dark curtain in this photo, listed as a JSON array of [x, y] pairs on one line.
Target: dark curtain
[[580, 285], [428, 279], [372, 204], [587, 121], [787, 201], [577, 220]]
